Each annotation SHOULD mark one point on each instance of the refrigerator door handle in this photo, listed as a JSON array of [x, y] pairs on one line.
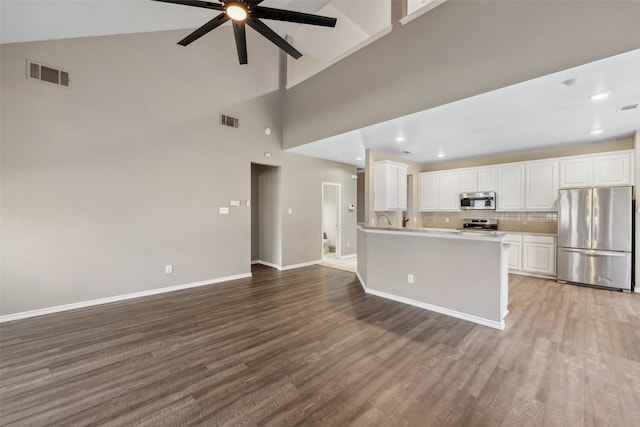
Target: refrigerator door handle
[[595, 253]]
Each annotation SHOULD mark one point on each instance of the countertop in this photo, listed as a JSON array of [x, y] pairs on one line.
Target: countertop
[[439, 232]]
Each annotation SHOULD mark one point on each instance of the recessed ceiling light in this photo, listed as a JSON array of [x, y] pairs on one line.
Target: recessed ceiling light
[[400, 138], [358, 158], [570, 82], [599, 96], [596, 132], [441, 155]]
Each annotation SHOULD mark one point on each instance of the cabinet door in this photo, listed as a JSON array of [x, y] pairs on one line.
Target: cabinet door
[[449, 191], [402, 188], [515, 256], [541, 185], [576, 173], [611, 170], [487, 179], [392, 187], [468, 181], [539, 258], [428, 191], [511, 187]]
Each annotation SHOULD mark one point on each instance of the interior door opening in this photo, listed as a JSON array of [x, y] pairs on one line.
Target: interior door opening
[[331, 225], [266, 224]]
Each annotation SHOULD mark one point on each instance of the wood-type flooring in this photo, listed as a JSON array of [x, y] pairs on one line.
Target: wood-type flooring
[[309, 347]]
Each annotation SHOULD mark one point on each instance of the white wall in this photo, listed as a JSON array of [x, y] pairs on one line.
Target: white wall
[[637, 242], [105, 183]]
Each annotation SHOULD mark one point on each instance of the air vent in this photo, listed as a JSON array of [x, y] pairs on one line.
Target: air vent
[[232, 122], [628, 107], [47, 74]]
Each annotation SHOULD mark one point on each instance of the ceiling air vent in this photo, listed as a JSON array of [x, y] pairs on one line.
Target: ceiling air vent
[[47, 74], [232, 122], [628, 107]]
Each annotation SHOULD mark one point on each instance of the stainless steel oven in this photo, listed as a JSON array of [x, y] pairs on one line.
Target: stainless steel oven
[[482, 200]]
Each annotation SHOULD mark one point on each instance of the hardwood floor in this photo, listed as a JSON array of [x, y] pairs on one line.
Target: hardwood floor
[[308, 347]]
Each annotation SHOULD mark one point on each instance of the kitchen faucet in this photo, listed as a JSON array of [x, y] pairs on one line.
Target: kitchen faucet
[[383, 215]]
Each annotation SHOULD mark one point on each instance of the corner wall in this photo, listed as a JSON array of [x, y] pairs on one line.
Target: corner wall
[[109, 181]]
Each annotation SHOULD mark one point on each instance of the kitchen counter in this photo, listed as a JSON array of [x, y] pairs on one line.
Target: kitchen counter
[[459, 273], [441, 232]]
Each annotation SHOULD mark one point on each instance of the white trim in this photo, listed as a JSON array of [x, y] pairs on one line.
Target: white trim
[[267, 264], [100, 301], [343, 55], [441, 310], [349, 256], [419, 12], [304, 264]]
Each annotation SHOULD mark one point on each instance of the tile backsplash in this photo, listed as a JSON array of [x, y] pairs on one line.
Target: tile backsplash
[[532, 222]]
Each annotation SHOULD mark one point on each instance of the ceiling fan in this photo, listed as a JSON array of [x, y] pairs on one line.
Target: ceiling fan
[[249, 12]]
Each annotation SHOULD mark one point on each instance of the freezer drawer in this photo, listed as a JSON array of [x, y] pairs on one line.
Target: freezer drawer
[[591, 267]]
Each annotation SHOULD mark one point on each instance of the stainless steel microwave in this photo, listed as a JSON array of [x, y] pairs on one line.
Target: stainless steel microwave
[[483, 200]]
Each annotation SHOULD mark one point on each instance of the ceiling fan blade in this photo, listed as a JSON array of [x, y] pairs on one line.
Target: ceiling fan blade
[[195, 3], [267, 32], [241, 41], [214, 23], [291, 16]]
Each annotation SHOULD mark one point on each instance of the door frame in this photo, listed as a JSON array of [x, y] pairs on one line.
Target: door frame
[[339, 230]]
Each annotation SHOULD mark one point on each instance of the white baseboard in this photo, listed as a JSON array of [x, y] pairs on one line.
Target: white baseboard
[[304, 264], [348, 256], [437, 309], [83, 304]]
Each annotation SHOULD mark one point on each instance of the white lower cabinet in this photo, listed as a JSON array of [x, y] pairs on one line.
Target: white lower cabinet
[[515, 251], [532, 254], [539, 255]]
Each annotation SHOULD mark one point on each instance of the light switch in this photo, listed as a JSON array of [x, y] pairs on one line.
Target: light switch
[[234, 202], [224, 210], [290, 211]]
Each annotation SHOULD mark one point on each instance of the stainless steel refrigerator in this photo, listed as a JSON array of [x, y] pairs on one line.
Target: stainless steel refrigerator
[[595, 236]]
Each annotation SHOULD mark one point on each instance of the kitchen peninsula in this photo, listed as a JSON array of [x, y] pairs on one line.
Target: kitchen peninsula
[[463, 274]]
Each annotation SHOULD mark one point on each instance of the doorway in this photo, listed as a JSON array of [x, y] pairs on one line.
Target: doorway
[[266, 223], [331, 226]]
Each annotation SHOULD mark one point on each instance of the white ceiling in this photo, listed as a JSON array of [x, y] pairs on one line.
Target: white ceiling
[[540, 113], [537, 114], [33, 20]]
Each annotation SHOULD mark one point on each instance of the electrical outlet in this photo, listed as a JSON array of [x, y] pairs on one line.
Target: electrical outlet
[[446, 219], [348, 244], [409, 278], [168, 269]]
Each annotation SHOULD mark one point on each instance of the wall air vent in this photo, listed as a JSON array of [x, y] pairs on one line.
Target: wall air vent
[[47, 74], [628, 107], [232, 122]]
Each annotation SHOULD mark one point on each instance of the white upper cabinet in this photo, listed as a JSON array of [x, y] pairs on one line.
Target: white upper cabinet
[[468, 181], [612, 170], [440, 191], [576, 173], [510, 187], [449, 191], [541, 181], [429, 191], [487, 179], [597, 170], [478, 179], [390, 186]]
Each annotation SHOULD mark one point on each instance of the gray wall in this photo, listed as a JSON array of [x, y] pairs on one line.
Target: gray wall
[[105, 183], [459, 49]]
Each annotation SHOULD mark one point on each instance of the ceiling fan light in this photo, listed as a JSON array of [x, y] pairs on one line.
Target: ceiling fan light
[[236, 11]]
